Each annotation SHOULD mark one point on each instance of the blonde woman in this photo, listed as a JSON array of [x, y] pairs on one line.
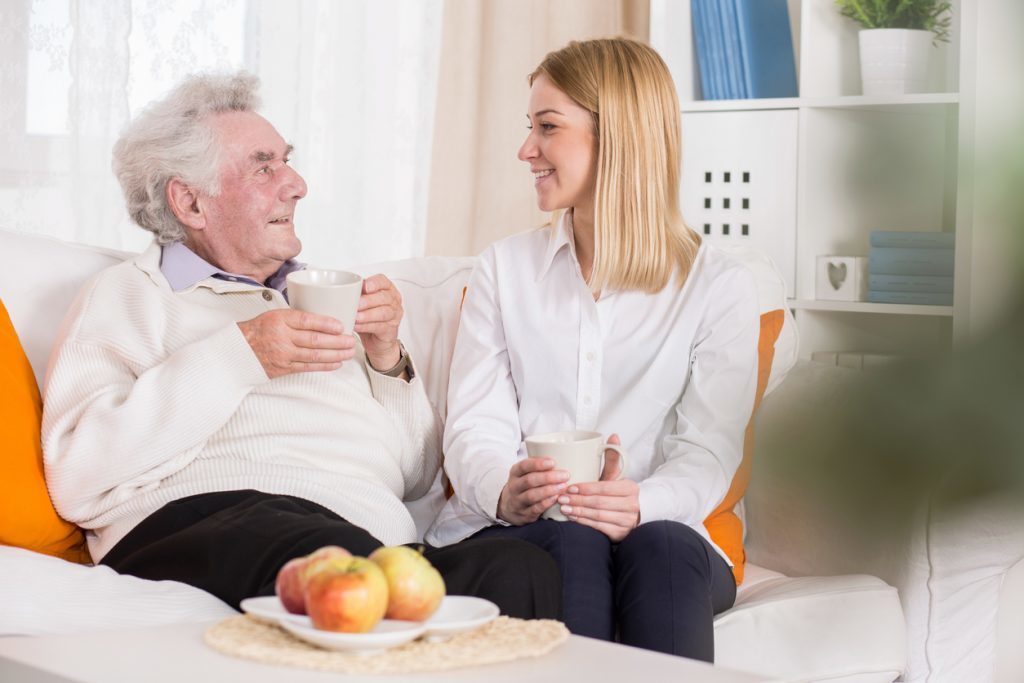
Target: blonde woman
[[615, 318]]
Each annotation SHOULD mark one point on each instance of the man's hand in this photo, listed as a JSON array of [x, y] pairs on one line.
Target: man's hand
[[533, 486], [286, 341], [611, 507], [380, 312]]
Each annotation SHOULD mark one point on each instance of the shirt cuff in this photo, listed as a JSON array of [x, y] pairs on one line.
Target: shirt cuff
[[404, 364], [656, 501], [394, 392], [230, 351], [488, 491]]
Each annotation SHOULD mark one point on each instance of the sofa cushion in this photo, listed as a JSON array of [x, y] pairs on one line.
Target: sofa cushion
[[974, 554], [43, 595], [813, 628], [771, 297], [27, 517], [432, 288], [39, 278]]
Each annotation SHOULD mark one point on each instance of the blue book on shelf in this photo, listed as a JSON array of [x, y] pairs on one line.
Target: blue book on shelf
[[731, 41], [897, 261], [703, 50], [926, 298], [935, 284], [716, 52], [918, 240], [766, 48]]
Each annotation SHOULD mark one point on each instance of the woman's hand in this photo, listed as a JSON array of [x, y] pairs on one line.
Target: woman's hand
[[611, 507], [533, 486], [612, 460]]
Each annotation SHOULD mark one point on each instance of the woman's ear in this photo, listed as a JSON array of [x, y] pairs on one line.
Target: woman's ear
[[184, 203]]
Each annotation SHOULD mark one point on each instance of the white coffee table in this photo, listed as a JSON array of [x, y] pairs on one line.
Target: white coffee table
[[177, 654]]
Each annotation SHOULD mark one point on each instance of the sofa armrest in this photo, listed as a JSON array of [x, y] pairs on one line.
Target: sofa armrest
[[955, 567], [1010, 626]]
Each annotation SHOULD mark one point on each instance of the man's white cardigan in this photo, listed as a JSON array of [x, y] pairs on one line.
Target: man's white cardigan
[[154, 395]]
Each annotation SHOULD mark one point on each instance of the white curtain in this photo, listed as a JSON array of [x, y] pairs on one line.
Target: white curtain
[[351, 84]]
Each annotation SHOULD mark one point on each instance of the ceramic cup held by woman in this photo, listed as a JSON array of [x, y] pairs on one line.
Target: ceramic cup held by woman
[[615, 319]]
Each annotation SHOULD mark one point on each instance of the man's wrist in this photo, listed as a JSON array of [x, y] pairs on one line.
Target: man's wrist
[[396, 367]]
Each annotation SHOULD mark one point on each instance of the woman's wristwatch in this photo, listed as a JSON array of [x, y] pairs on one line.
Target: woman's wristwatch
[[401, 366]]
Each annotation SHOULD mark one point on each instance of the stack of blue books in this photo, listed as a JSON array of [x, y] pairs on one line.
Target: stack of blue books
[[911, 268], [744, 49]]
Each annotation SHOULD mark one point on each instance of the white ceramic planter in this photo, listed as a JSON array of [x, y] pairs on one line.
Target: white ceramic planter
[[894, 61]]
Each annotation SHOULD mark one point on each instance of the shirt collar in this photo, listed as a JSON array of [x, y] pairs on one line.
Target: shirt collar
[[184, 268], [561, 237]]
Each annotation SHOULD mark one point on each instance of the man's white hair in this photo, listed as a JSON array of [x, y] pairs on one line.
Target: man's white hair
[[172, 138]]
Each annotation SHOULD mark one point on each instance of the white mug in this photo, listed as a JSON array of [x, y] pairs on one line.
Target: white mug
[[326, 292], [580, 453]]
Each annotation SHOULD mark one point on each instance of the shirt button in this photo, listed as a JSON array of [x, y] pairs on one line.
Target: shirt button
[[586, 400], [590, 356], [267, 295]]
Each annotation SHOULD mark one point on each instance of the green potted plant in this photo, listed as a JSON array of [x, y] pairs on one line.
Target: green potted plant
[[896, 41]]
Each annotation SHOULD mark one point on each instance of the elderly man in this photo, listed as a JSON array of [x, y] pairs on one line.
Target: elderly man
[[201, 430]]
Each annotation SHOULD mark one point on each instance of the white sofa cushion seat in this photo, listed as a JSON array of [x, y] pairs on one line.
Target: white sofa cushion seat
[[42, 595], [813, 628]]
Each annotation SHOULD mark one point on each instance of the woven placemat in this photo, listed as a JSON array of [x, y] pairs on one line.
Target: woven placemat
[[501, 640]]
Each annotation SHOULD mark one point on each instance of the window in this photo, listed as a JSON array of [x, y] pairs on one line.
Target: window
[[351, 84]]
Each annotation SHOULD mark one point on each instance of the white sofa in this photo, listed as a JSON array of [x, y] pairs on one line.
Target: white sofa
[[846, 627]]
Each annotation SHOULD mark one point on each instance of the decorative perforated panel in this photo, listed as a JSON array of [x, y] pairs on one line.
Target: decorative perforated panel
[[739, 181]]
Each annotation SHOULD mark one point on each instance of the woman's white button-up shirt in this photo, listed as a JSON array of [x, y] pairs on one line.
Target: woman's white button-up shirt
[[673, 373]]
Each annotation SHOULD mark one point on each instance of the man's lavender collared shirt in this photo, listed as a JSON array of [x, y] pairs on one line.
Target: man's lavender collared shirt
[[184, 268]]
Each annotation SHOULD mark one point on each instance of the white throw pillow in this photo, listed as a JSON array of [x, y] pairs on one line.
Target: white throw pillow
[[771, 295]]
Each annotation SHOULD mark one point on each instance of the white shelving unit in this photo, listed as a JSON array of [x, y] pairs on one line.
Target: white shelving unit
[[866, 307], [836, 165]]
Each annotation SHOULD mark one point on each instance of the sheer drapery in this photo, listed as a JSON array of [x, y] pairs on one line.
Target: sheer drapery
[[480, 192], [351, 84]]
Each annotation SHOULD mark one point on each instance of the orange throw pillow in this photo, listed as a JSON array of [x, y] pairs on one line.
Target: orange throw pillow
[[27, 517], [724, 525]]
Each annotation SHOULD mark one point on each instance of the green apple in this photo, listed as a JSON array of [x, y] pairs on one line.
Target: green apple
[[415, 587]]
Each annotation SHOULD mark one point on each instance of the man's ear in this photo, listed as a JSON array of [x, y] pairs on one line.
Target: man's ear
[[184, 203]]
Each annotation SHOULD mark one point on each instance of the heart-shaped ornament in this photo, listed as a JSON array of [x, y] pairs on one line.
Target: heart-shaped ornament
[[837, 275]]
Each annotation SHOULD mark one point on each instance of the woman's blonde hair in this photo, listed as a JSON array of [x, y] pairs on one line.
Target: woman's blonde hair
[[639, 234]]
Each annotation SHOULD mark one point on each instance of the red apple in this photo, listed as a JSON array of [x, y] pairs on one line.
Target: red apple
[[325, 554], [288, 586], [350, 596], [291, 579], [415, 588]]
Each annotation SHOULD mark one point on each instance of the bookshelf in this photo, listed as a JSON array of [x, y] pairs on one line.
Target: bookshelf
[[866, 307], [833, 165], [905, 103]]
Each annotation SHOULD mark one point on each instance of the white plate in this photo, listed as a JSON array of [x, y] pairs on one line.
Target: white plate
[[387, 633], [459, 613], [271, 609]]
